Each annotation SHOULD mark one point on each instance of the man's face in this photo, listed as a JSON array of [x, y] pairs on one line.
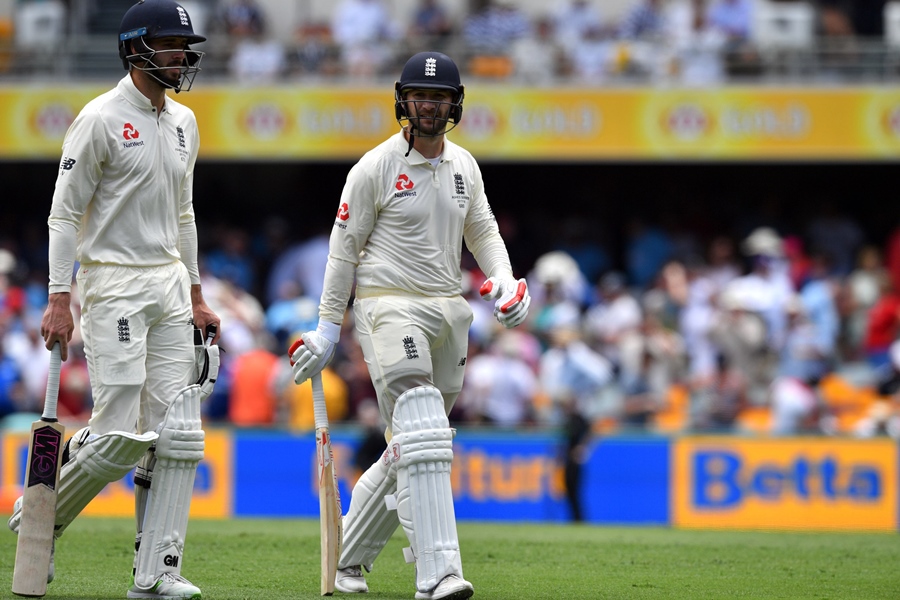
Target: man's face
[[429, 110], [169, 57]]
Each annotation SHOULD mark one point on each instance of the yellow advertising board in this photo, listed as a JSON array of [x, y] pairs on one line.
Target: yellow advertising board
[[507, 123], [798, 483], [213, 484]]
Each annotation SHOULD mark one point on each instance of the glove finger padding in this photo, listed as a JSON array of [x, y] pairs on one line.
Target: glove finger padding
[[512, 308], [512, 299]]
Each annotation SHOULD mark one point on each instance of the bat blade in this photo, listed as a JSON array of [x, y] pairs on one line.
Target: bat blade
[[330, 527], [329, 512], [35, 540]]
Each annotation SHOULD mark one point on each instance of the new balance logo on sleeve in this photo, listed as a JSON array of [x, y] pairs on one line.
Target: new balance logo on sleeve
[[67, 163]]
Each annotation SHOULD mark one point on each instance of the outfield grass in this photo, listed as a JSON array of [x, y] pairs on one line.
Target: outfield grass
[[279, 559]]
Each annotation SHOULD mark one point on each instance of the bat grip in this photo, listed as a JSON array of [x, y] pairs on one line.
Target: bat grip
[[52, 395], [319, 411]]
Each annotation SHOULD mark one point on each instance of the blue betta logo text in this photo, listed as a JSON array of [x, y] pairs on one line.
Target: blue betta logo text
[[724, 480]]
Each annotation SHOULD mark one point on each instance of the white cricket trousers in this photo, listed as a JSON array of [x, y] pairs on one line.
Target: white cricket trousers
[[138, 340], [410, 341]]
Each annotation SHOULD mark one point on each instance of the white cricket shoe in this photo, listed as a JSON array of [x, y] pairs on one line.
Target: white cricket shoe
[[350, 580], [13, 523], [170, 587], [451, 587]]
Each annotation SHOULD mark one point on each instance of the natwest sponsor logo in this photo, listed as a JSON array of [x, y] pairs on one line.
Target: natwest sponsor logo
[[343, 212], [130, 133], [404, 183]]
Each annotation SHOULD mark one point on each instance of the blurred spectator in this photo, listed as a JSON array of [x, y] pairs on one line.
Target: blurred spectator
[[647, 19], [766, 289], [500, 387], [242, 18], [883, 325], [698, 45], [647, 248], [313, 51], [558, 290], [296, 400], [817, 297], [796, 406], [364, 30], [798, 261], [858, 295], [257, 58], [230, 260], [719, 399], [571, 372], [837, 232], [614, 323], [740, 333], [13, 396], [576, 432], [537, 58], [572, 20], [492, 26], [302, 264], [292, 312], [883, 416], [431, 27], [593, 57], [253, 401]]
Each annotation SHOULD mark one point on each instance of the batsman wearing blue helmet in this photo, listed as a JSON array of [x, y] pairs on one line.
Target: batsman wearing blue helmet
[[123, 209], [406, 209]]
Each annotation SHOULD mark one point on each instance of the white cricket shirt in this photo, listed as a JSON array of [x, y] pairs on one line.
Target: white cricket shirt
[[123, 193], [401, 222]]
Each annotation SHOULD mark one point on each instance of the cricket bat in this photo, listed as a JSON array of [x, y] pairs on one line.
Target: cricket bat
[[329, 497], [38, 517]]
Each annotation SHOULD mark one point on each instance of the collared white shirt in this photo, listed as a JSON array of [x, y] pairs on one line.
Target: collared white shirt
[[124, 184], [402, 222]]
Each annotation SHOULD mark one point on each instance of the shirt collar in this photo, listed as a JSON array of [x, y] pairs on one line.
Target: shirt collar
[[134, 96], [416, 158]]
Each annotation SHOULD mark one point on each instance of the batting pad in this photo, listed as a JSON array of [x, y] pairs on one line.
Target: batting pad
[[423, 449], [93, 462], [368, 524], [178, 451]]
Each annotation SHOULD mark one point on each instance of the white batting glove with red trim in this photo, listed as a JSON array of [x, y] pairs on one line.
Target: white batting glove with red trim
[[314, 350], [512, 299]]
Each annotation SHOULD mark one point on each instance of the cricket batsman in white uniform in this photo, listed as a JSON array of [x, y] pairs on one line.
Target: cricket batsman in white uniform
[[406, 208], [123, 209]]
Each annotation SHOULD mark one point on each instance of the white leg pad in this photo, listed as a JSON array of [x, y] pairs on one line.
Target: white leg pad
[[93, 462], [423, 445], [368, 524], [178, 451]]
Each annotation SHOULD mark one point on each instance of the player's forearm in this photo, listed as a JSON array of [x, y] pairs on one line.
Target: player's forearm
[[63, 243], [338, 283], [187, 247], [489, 250]]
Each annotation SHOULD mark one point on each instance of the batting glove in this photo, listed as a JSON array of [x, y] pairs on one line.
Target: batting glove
[[314, 350], [512, 299]]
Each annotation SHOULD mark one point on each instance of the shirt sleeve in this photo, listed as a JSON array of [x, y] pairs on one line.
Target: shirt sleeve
[[84, 153], [187, 227], [353, 225], [482, 235]]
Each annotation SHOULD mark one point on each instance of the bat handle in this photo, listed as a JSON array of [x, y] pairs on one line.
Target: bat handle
[[319, 411], [52, 395], [211, 331]]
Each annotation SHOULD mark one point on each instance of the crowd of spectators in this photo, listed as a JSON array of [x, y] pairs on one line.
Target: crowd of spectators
[[683, 333], [696, 42]]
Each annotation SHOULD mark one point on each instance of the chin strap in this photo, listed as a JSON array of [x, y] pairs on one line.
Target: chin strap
[[412, 140]]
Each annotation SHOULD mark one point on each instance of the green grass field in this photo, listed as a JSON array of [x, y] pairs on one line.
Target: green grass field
[[279, 559]]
